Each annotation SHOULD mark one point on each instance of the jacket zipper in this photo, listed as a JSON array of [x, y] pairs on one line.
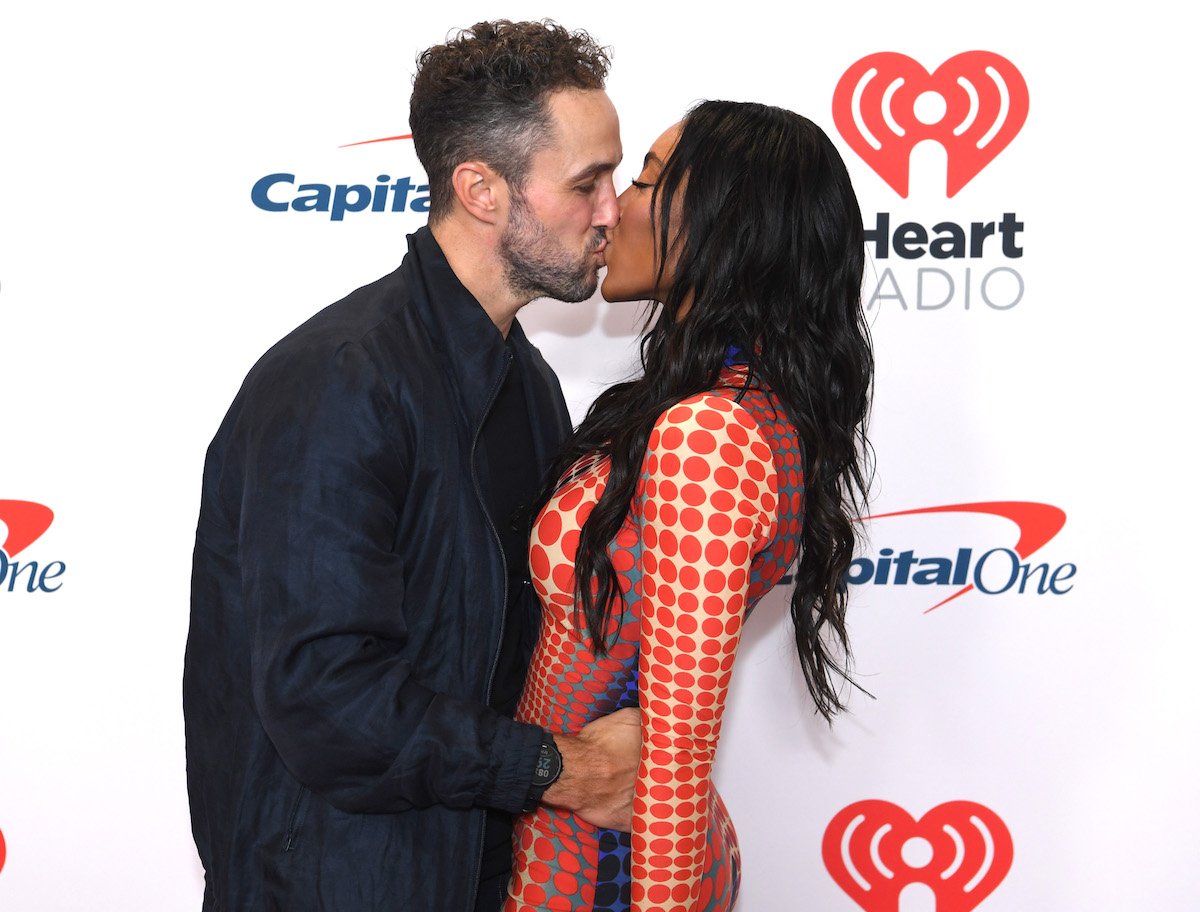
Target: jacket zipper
[[292, 829], [487, 696]]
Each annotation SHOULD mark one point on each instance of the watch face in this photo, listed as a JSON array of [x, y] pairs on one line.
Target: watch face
[[549, 765]]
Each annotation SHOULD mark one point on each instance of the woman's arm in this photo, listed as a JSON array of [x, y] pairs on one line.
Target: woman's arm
[[706, 506]]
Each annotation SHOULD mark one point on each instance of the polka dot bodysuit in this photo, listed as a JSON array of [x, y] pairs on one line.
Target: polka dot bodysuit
[[712, 527]]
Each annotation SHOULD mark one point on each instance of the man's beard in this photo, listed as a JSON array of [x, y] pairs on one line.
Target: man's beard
[[536, 264]]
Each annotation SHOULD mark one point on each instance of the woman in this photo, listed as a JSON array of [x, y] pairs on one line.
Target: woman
[[686, 494]]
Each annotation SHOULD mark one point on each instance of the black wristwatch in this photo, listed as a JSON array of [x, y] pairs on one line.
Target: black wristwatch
[[546, 772]]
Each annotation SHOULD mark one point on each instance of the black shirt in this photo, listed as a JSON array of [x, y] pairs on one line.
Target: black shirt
[[506, 450]]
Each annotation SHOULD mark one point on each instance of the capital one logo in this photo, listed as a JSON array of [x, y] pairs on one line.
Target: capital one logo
[[960, 850], [280, 192], [973, 105], [996, 570], [25, 522]]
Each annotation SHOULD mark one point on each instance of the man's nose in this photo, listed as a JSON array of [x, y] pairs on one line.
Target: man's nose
[[608, 213]]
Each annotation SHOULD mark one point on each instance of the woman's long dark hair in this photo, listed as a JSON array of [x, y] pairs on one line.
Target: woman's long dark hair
[[769, 252]]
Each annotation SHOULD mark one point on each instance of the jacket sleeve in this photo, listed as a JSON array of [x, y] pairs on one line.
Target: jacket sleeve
[[324, 598], [707, 506]]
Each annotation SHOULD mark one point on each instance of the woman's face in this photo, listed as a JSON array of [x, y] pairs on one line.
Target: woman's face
[[632, 271]]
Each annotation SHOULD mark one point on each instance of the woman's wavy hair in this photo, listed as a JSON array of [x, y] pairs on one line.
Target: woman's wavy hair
[[769, 251]]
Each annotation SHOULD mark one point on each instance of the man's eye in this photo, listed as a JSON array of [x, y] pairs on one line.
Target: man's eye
[[586, 188]]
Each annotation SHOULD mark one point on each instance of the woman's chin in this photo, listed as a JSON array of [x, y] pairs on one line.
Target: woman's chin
[[614, 291], [608, 290]]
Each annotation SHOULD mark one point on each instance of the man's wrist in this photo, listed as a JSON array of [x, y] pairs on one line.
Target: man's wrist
[[546, 772]]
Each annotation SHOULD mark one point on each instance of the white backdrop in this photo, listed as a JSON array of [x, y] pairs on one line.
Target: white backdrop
[[138, 283]]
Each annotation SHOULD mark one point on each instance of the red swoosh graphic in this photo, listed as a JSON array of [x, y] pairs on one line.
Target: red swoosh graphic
[[367, 142], [1037, 523], [26, 522]]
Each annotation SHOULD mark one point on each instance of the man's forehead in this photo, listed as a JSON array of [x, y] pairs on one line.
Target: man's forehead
[[587, 136]]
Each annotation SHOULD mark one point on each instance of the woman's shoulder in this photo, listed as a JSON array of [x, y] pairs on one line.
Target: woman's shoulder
[[708, 457], [704, 423], [713, 407]]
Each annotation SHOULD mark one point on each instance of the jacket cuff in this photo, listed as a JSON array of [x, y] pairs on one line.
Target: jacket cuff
[[514, 758]]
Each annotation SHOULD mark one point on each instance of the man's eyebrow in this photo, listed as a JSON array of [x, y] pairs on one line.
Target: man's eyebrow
[[594, 169]]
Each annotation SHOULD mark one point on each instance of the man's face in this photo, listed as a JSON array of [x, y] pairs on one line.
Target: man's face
[[553, 244]]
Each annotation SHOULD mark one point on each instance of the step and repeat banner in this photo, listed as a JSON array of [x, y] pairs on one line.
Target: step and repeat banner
[[180, 186]]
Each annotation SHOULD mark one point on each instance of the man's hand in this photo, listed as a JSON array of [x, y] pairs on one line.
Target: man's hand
[[599, 768]]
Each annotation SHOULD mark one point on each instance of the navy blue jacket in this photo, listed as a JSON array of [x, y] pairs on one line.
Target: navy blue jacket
[[348, 592]]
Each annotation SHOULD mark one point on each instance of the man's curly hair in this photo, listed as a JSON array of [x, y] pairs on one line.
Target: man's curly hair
[[482, 96]]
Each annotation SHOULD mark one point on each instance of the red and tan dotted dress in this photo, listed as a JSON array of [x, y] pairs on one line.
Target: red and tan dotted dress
[[712, 527]]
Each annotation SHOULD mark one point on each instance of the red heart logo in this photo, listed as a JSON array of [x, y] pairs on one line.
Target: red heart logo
[[960, 850], [26, 521], [2, 850], [875, 106]]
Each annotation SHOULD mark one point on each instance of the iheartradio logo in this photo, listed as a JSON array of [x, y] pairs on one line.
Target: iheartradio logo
[[973, 105], [960, 850], [2, 850]]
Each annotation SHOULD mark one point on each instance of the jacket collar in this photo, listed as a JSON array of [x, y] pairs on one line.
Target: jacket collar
[[471, 348]]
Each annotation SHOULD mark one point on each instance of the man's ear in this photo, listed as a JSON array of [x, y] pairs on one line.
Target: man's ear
[[480, 191]]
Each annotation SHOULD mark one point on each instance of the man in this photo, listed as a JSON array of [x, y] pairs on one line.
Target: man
[[361, 615]]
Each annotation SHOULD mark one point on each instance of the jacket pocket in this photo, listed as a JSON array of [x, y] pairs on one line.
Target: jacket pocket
[[295, 819]]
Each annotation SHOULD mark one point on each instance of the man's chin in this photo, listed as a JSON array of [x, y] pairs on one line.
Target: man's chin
[[581, 291]]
